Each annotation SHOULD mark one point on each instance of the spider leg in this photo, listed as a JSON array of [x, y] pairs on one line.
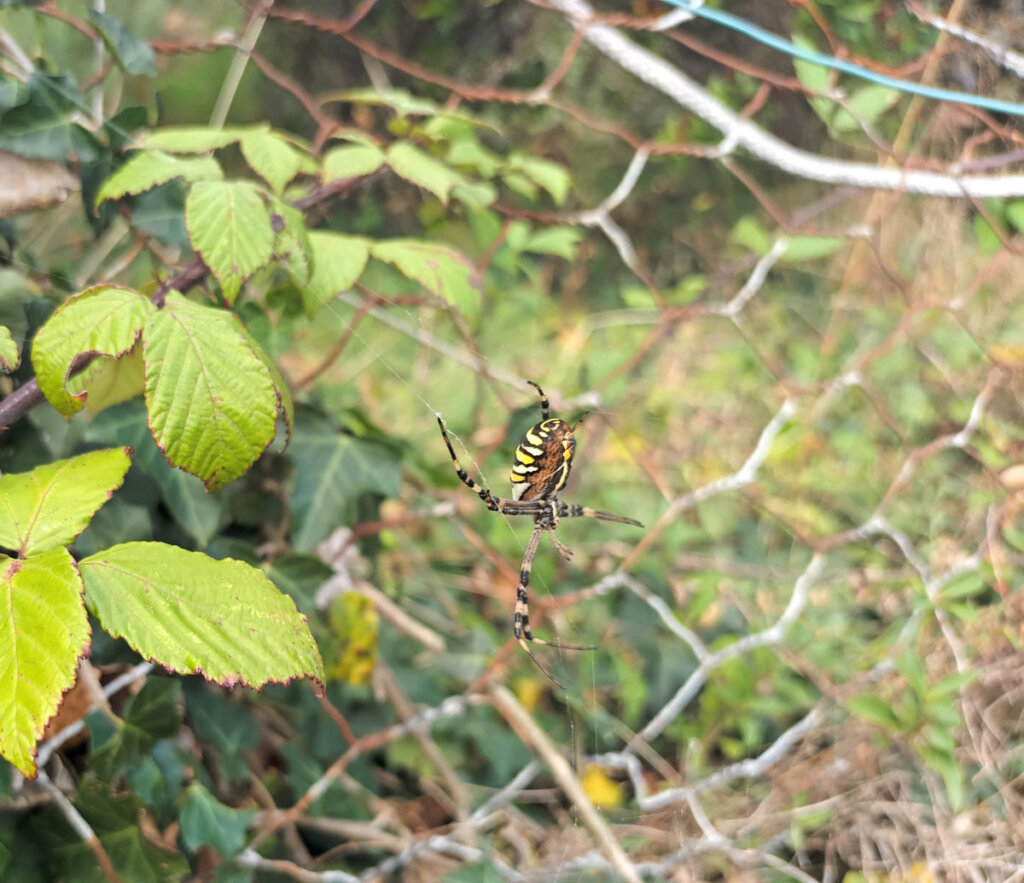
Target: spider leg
[[571, 510], [521, 618], [545, 405], [481, 492]]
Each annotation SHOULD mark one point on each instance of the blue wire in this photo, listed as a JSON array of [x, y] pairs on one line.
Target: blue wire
[[769, 39]]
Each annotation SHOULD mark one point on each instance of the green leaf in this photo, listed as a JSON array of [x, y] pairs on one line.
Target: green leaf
[[945, 764], [946, 688], [809, 248], [192, 507], [399, 100], [211, 399], [423, 170], [43, 633], [205, 821], [869, 707], [352, 161], [271, 157], [151, 714], [292, 246], [108, 382], [229, 226], [150, 168], [223, 619], [443, 271], [190, 139], [10, 355], [332, 469], [105, 320], [560, 240], [133, 55], [552, 176], [51, 505], [749, 233], [1015, 214], [338, 261], [863, 107]]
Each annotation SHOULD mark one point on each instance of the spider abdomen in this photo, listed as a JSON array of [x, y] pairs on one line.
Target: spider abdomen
[[543, 460]]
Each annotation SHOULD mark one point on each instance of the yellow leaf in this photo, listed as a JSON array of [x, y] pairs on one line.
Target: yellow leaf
[[528, 692], [601, 790], [353, 648]]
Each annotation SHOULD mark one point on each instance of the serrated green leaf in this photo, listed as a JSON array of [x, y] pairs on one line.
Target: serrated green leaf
[[43, 633], [195, 615], [271, 157], [105, 320], [398, 99], [352, 161], [109, 382], [332, 469], [229, 226], [190, 139], [133, 55], [292, 246], [205, 821], [560, 240], [10, 355], [51, 505], [443, 271], [211, 399], [870, 708], [150, 168], [338, 261], [552, 176], [809, 248], [423, 170]]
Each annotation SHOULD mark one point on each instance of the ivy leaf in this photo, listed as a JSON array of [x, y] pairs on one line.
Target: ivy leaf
[[190, 139], [211, 399], [424, 170], [43, 633], [338, 261], [443, 271], [205, 821], [223, 619], [192, 507], [51, 505], [134, 56], [151, 714], [351, 161], [229, 226], [271, 157], [10, 355], [332, 469], [150, 168], [106, 320]]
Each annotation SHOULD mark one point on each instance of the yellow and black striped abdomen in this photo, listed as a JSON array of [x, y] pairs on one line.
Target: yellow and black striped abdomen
[[543, 460]]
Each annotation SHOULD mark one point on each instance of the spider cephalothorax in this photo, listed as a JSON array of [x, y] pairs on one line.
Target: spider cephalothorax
[[541, 469]]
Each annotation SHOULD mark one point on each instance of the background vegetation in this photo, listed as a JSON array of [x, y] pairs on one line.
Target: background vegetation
[[802, 372]]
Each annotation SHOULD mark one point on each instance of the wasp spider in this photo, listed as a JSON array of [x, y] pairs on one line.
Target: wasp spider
[[541, 469]]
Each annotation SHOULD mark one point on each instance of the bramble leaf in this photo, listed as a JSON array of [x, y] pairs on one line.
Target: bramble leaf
[[149, 168], [271, 157], [351, 161], [443, 271], [190, 139], [212, 401], [51, 505], [229, 226], [223, 619], [338, 261], [105, 320], [43, 634], [424, 170]]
